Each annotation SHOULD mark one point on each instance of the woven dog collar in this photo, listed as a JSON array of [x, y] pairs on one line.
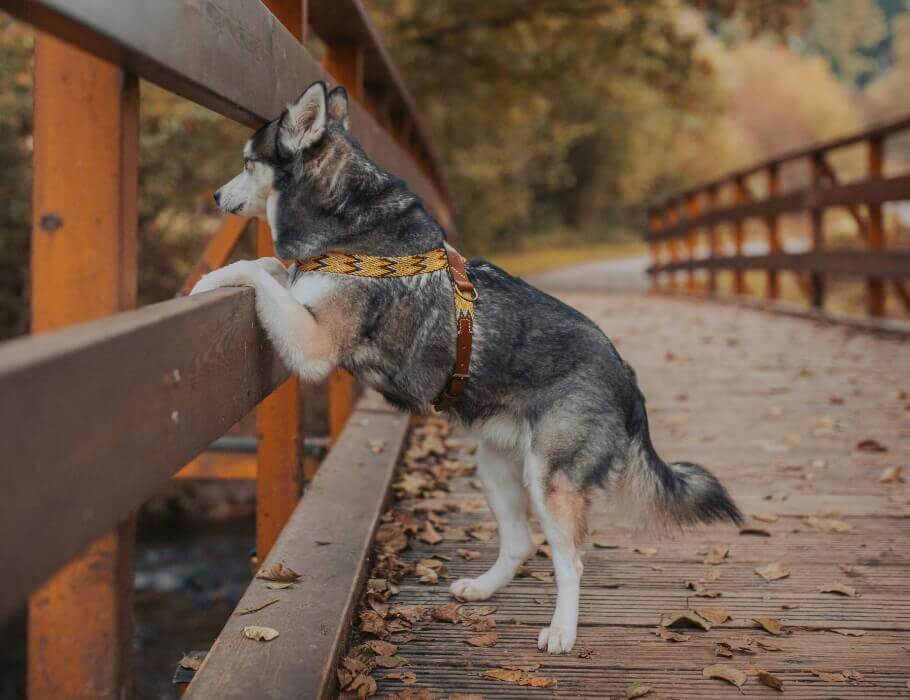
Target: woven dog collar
[[463, 292]]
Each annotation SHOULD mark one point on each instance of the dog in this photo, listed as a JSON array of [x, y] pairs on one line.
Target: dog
[[559, 412]]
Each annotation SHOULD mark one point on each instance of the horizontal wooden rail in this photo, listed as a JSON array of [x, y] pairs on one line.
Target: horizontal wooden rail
[[96, 417], [879, 264], [232, 56], [872, 191]]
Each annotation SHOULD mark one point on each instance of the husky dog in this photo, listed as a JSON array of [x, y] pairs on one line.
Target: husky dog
[[559, 412]]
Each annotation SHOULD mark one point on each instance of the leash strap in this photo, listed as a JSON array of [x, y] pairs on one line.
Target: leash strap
[[463, 292]]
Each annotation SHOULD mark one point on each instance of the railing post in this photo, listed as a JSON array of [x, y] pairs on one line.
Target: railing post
[[344, 62], [741, 196], [772, 221], [84, 220], [654, 247], [671, 218], [279, 481], [875, 240], [713, 242], [693, 208], [817, 229]]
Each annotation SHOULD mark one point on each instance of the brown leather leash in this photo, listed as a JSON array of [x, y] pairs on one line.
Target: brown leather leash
[[465, 297]]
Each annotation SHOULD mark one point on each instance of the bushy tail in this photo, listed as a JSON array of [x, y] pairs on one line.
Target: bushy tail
[[680, 493]]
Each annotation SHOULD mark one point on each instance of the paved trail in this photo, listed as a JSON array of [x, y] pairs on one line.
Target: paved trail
[[806, 424]]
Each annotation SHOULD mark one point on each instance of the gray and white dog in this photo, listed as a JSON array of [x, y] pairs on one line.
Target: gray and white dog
[[559, 412]]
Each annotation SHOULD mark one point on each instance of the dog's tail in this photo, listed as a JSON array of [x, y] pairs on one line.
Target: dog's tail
[[680, 493]]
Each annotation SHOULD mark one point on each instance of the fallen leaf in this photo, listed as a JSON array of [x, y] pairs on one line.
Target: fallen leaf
[[478, 611], [278, 585], [720, 650], [768, 646], [447, 613], [278, 572], [647, 551], [482, 640], [455, 534], [891, 475], [191, 662], [770, 680], [376, 445], [854, 676], [604, 544], [766, 517], [829, 676], [257, 608], [744, 647], [406, 677], [839, 589], [870, 445], [426, 574], [684, 618], [773, 571], [545, 576], [850, 633], [380, 648], [758, 531], [637, 689], [389, 661], [716, 616], [717, 554], [671, 636], [731, 674], [829, 524], [468, 553], [769, 624], [429, 535], [260, 634], [371, 622]]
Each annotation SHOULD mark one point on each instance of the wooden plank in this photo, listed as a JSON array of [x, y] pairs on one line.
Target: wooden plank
[[83, 266], [328, 540], [218, 249], [279, 448], [133, 395], [221, 465], [886, 264], [221, 54]]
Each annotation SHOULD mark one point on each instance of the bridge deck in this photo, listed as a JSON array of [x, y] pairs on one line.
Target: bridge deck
[[779, 409]]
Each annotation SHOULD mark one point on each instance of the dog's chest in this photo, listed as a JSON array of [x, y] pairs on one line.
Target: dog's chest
[[315, 289]]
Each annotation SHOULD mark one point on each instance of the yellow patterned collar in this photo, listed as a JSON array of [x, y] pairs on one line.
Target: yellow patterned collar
[[375, 265]]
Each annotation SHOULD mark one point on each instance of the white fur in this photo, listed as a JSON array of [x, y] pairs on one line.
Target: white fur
[[304, 345], [305, 122], [503, 432], [247, 193], [314, 288]]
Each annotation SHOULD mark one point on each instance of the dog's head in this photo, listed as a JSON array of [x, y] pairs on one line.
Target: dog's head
[[296, 172]]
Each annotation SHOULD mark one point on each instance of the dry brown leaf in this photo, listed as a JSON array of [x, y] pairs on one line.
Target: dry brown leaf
[[839, 589], [278, 572], [637, 689], [647, 551], [829, 524], [406, 677], [671, 636], [870, 445], [409, 613], [684, 618], [429, 535], [482, 640], [829, 676], [257, 608], [389, 661], [769, 624], [744, 647], [716, 616], [604, 544], [731, 674], [518, 677], [768, 646], [371, 622], [773, 571], [260, 634], [850, 633], [448, 613], [891, 475], [426, 574], [468, 553], [766, 517], [717, 554], [545, 576], [278, 585], [376, 445], [757, 531], [770, 680], [465, 696], [380, 648], [478, 611], [720, 650], [191, 662], [455, 534]]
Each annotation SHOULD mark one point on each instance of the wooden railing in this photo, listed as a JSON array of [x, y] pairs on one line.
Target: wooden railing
[[103, 404], [719, 211]]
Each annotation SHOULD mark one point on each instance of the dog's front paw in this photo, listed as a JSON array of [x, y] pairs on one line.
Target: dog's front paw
[[205, 284], [556, 639], [239, 274], [470, 589]]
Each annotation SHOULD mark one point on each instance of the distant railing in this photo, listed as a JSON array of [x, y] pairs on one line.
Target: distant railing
[[722, 208], [95, 417]]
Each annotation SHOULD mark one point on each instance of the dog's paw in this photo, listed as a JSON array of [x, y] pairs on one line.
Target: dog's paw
[[470, 589], [556, 640], [206, 284], [239, 274]]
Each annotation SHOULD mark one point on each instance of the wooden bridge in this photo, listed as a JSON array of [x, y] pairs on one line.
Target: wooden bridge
[[805, 418]]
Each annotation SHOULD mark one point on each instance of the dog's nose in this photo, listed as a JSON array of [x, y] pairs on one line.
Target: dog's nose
[[217, 196]]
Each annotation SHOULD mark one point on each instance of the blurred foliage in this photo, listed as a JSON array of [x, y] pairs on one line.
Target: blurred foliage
[[557, 120]]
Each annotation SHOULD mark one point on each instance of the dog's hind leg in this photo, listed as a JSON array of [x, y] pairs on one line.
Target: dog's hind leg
[[561, 507], [500, 472]]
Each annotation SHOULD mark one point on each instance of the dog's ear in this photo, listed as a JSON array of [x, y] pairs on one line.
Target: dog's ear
[[338, 106], [303, 123]]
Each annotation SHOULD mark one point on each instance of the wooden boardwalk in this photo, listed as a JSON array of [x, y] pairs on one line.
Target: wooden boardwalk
[[800, 420]]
